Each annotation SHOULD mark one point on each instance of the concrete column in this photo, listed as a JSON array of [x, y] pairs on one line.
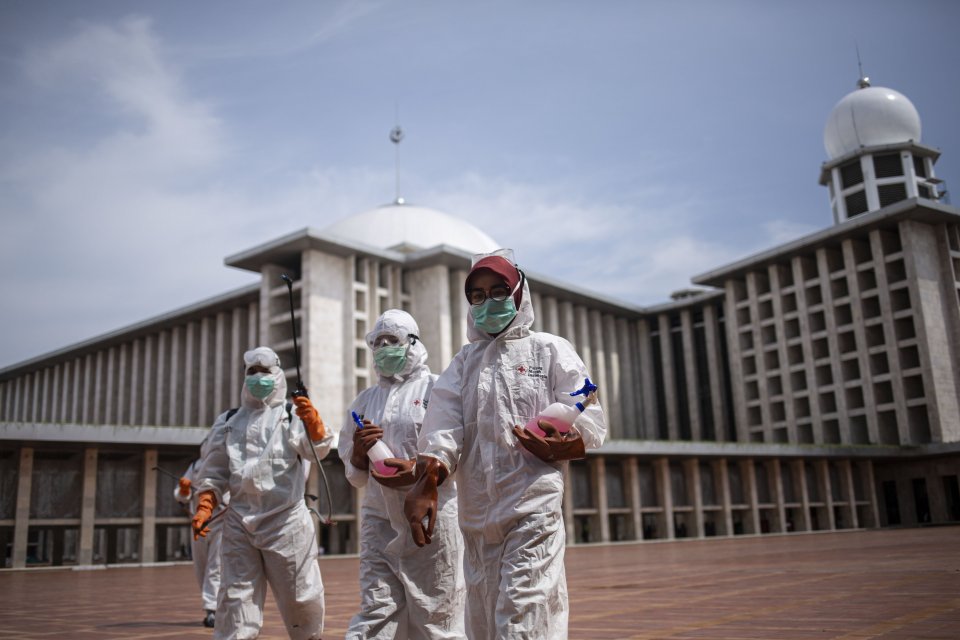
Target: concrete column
[[869, 486], [599, 356], [21, 527], [110, 387], [220, 363], [669, 379], [148, 531], [629, 416], [88, 511], [691, 378], [161, 391], [459, 311], [800, 482], [717, 371], [647, 389], [537, 302], [749, 473], [599, 472], [134, 410], [662, 469], [566, 320], [175, 377], [149, 363], [46, 396], [86, 413], [66, 388], [123, 383], [584, 339], [846, 477], [691, 469], [431, 308], [614, 393], [205, 408], [634, 497], [551, 316], [191, 367], [720, 471], [327, 288], [98, 388], [776, 477], [823, 478]]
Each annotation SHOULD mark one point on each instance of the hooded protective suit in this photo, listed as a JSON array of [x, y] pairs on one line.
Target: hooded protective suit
[[510, 500], [268, 533], [406, 591], [205, 550]]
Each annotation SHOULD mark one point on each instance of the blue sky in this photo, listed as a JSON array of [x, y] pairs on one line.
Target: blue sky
[[637, 142]]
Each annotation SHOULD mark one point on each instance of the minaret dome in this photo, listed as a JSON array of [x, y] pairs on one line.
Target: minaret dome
[[872, 138]]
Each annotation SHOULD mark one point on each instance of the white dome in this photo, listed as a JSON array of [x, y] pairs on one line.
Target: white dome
[[406, 228], [868, 117]]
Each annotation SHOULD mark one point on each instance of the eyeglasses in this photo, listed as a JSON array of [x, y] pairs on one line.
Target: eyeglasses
[[479, 296]]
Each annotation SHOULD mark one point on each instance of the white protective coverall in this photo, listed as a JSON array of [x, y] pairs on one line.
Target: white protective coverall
[[405, 591], [510, 500], [268, 533], [205, 549]]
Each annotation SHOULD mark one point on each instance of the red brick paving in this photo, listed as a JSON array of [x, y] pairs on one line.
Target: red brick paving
[[892, 584]]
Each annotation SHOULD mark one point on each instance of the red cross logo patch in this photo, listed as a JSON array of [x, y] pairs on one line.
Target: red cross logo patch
[[521, 369], [416, 402]]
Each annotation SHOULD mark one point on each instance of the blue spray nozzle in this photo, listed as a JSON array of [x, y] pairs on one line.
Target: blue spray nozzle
[[357, 419], [587, 388]]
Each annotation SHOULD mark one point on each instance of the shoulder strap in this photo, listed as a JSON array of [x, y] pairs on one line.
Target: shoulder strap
[[231, 413]]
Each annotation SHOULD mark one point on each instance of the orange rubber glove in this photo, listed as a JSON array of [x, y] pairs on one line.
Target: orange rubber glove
[[311, 419], [184, 487], [206, 503]]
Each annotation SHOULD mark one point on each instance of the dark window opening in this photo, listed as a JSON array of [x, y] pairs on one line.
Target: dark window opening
[[851, 174], [890, 193], [856, 203], [887, 165], [921, 500]]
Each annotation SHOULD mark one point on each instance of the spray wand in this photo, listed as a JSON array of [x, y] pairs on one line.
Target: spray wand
[[302, 391]]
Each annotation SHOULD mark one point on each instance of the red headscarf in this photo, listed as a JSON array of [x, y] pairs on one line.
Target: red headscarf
[[502, 267]]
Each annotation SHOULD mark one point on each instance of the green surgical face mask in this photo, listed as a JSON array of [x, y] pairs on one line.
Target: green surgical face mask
[[493, 316], [260, 385], [390, 360]]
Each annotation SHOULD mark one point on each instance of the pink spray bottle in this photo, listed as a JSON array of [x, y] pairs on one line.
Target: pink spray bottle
[[562, 415], [378, 452]]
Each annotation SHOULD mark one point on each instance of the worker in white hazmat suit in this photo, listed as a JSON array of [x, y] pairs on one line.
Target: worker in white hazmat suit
[[206, 549], [510, 481], [405, 591], [268, 533]]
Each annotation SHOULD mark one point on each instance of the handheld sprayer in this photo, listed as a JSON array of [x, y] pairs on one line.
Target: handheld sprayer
[[561, 415], [378, 452]]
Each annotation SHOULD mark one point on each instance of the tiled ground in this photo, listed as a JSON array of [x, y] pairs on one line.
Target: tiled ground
[[901, 584]]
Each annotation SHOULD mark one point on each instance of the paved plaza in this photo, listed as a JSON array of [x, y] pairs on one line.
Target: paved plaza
[[854, 585]]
